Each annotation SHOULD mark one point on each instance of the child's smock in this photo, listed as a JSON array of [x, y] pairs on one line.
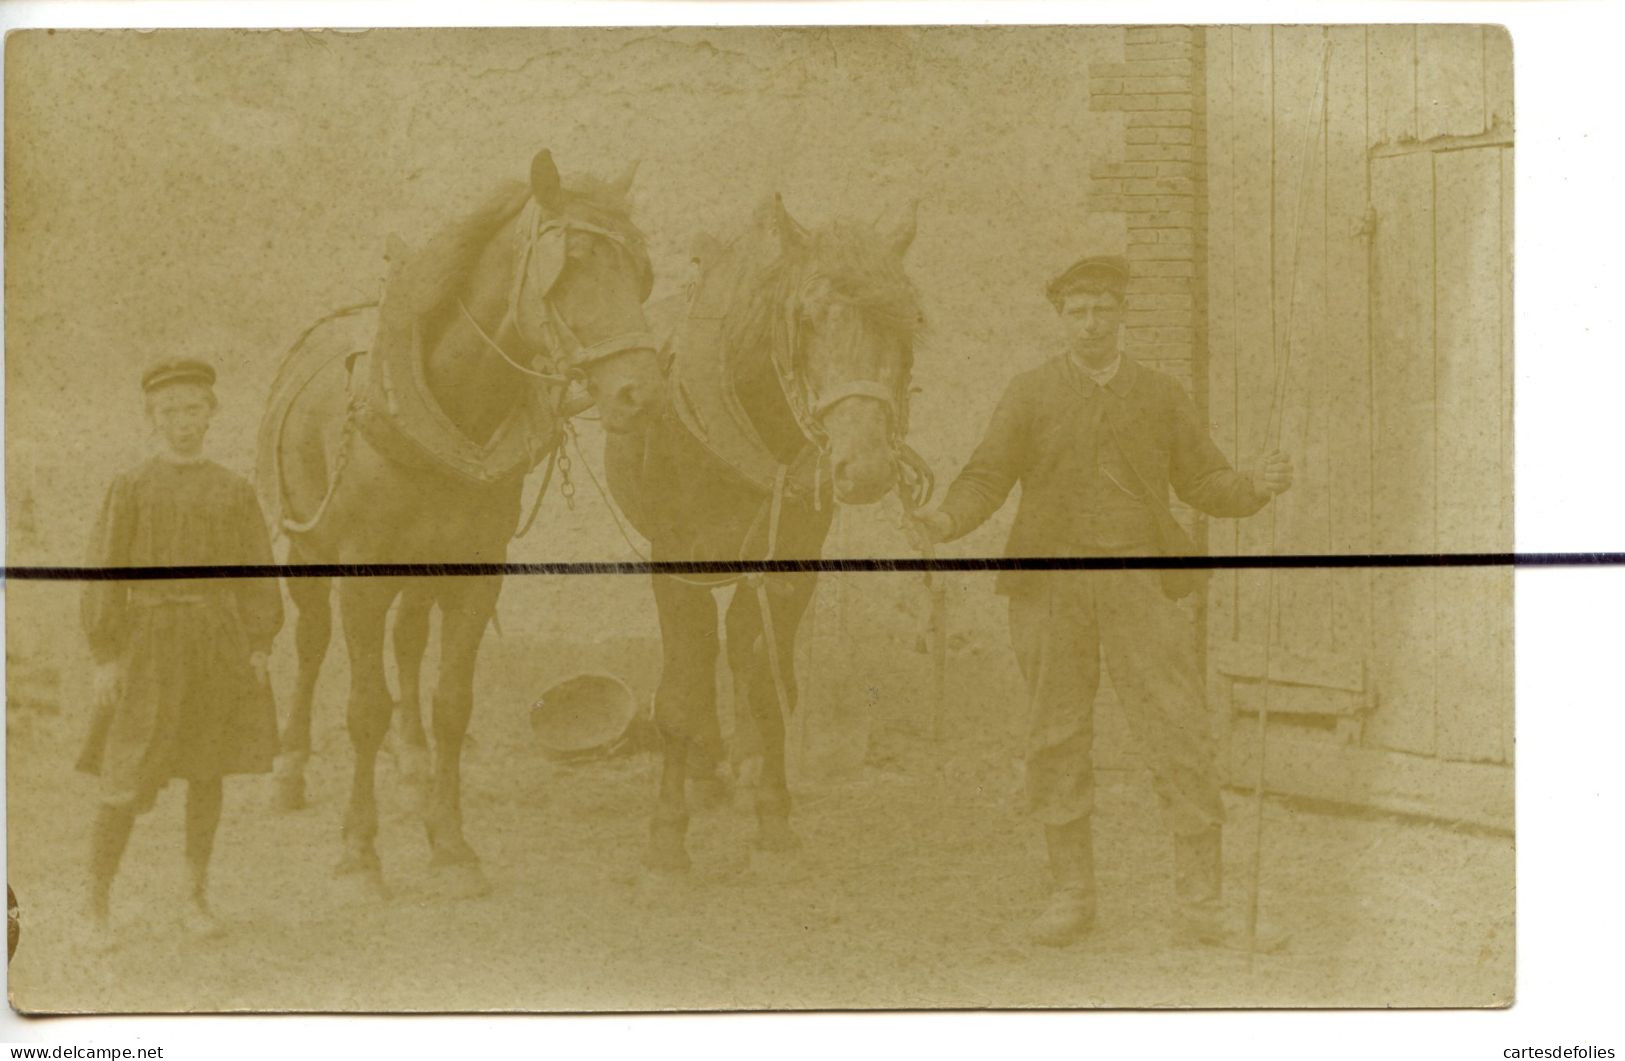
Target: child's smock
[[188, 703]]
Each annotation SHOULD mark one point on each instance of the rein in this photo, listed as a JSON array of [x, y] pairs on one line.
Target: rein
[[914, 475], [807, 407], [493, 344], [558, 341]]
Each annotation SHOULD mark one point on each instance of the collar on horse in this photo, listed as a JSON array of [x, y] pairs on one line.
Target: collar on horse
[[401, 414]]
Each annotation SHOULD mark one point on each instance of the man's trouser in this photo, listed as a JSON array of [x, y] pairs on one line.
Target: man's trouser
[[1060, 633]]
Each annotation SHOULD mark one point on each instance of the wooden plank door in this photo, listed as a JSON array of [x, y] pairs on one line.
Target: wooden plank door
[[1287, 365], [1439, 288]]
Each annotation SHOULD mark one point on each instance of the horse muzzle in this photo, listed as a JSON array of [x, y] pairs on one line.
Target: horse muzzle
[[628, 406], [862, 479]]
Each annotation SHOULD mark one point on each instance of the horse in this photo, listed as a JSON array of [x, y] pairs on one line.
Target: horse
[[787, 392], [414, 449]]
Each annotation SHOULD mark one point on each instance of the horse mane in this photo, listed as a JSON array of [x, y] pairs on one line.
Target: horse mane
[[860, 269], [428, 279], [756, 277]]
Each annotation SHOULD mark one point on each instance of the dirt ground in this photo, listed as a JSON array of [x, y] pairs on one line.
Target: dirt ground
[[911, 890]]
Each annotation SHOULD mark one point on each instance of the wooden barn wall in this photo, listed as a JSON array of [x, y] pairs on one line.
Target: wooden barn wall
[[1359, 286]]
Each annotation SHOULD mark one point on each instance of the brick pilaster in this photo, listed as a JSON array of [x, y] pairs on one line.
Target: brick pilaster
[[1157, 181]]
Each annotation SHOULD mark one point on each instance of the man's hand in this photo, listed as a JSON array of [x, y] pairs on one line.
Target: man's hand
[[260, 665], [937, 526], [104, 684], [1274, 474]]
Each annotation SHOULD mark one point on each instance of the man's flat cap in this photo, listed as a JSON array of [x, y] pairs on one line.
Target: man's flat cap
[[177, 370], [1094, 273]]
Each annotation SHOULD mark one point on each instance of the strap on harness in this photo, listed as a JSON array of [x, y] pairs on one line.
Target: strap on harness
[[764, 604]]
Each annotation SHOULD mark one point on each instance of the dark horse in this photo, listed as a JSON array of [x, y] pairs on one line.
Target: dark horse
[[788, 392], [417, 453]]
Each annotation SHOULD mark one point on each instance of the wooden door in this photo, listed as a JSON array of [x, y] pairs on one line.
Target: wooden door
[[1440, 284], [1359, 294]]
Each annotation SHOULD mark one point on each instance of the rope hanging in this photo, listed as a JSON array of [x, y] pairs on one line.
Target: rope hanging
[[1273, 431]]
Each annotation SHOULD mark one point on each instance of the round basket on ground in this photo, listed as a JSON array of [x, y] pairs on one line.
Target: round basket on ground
[[584, 717]]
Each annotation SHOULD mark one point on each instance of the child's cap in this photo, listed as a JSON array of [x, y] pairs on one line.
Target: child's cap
[[177, 370], [1092, 274]]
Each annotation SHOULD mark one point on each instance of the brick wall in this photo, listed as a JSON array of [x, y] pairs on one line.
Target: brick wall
[[1156, 179]]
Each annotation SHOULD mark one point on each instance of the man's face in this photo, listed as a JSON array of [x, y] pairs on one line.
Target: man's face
[[1091, 322], [181, 414]]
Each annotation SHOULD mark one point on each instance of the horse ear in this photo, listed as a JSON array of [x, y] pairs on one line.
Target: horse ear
[[544, 179], [623, 184], [902, 234], [791, 235]]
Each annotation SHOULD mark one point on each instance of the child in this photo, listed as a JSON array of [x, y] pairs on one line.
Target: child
[[180, 686]]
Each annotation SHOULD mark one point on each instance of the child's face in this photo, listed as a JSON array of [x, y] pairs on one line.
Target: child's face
[[181, 413]]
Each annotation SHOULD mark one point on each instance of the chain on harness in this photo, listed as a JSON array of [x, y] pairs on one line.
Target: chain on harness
[[557, 343]]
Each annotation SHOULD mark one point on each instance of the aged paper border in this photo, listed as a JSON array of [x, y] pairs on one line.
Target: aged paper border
[[1568, 266]]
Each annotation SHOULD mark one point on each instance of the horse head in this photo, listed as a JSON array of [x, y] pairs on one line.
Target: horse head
[[581, 284], [849, 319]]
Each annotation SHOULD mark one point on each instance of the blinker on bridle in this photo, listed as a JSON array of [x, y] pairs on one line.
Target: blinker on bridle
[[558, 342], [809, 407], [916, 481]]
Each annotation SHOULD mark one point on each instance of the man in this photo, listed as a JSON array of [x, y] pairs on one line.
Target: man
[[180, 685], [1096, 441]]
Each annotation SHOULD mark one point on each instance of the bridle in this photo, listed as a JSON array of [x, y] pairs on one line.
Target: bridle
[[556, 346], [809, 406]]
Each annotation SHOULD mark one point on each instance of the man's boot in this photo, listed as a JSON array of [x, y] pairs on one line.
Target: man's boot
[[1198, 882], [1070, 913]]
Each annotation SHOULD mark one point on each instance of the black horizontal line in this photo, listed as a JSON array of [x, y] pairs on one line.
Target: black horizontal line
[[901, 565]]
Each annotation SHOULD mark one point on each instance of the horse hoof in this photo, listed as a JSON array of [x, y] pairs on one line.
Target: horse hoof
[[364, 888], [709, 793], [364, 882], [198, 923], [460, 880]]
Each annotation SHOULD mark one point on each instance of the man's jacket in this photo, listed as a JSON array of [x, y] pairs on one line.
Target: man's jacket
[[1146, 428]]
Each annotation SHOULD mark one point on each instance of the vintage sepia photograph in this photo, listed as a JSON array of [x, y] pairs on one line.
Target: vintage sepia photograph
[[759, 518]]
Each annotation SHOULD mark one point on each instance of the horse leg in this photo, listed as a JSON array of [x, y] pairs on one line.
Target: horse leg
[[466, 606], [787, 596], [363, 604], [707, 788], [410, 744], [687, 691], [313, 630], [745, 752]]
